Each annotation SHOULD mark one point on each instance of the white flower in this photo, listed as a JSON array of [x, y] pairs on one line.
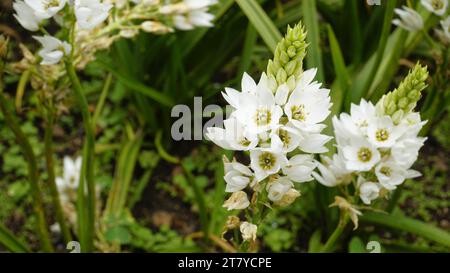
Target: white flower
[[390, 175], [368, 191], [53, 49], [237, 176], [300, 168], [45, 9], [313, 142], [238, 200], [288, 198], [438, 7], [308, 105], [91, 13], [258, 112], [277, 189], [191, 13], [71, 177], [265, 163], [409, 19], [248, 231], [25, 15], [233, 137], [406, 151], [333, 173], [360, 155], [284, 139], [383, 133]]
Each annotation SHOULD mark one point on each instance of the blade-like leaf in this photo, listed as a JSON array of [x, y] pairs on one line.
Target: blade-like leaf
[[261, 21]]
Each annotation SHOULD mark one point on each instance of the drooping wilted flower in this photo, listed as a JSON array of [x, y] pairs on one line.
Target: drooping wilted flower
[[238, 200], [53, 49], [248, 231], [438, 7], [409, 19]]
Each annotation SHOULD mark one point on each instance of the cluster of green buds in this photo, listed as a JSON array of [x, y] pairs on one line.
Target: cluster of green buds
[[403, 99], [287, 65]]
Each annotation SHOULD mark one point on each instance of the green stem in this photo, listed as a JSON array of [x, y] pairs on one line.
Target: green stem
[[101, 101], [51, 175], [88, 159], [33, 172], [329, 245]]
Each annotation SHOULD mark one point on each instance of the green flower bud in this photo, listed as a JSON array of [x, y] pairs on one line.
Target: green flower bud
[[403, 99], [288, 57]]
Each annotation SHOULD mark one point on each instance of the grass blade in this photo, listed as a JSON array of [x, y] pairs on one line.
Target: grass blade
[[8, 240], [409, 225], [261, 21], [311, 21]]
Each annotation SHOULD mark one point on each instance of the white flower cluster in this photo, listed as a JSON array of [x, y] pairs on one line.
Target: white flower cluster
[[189, 14], [272, 126], [373, 151], [411, 20], [31, 14]]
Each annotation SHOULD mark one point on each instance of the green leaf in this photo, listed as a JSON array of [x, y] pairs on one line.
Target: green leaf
[[311, 21], [409, 225], [356, 245], [315, 245], [342, 76], [8, 240], [261, 21]]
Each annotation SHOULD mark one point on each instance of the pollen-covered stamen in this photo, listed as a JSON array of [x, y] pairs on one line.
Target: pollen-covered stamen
[[263, 116], [299, 112], [284, 136], [267, 161], [437, 4], [364, 154], [51, 4], [385, 170], [244, 142], [382, 135]]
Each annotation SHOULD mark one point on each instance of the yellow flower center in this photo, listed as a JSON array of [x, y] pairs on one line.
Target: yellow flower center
[[284, 136], [437, 4], [263, 116], [382, 135], [385, 170], [267, 161], [364, 154], [298, 112]]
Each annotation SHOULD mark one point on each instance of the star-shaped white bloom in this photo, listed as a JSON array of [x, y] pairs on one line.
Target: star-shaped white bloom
[[45, 9], [409, 19], [53, 49], [91, 13], [390, 174], [308, 105], [265, 163], [237, 176], [233, 137], [300, 167], [383, 133], [406, 151], [284, 139], [333, 172], [26, 16], [71, 177], [360, 155], [258, 112], [437, 7]]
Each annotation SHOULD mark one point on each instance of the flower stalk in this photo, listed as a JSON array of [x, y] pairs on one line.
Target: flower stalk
[[331, 242], [87, 172], [48, 143]]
